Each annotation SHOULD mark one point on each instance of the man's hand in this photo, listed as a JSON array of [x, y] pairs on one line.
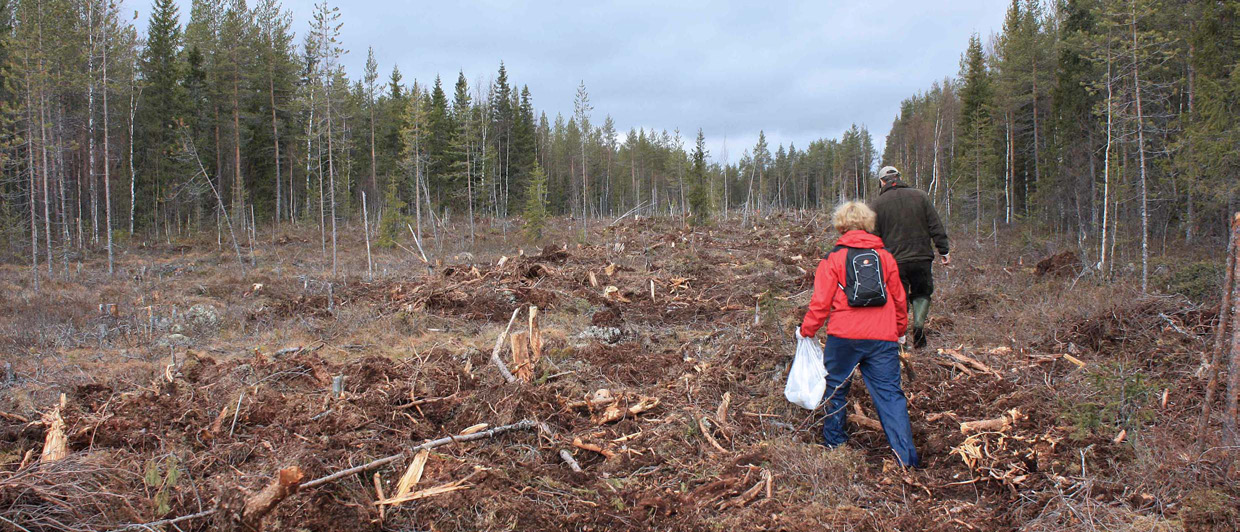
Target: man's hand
[[798, 333], [945, 259], [902, 339]]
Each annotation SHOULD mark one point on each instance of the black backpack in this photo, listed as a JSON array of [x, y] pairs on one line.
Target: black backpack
[[863, 278]]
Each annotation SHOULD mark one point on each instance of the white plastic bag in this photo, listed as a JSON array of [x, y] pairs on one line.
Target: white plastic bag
[[807, 380]]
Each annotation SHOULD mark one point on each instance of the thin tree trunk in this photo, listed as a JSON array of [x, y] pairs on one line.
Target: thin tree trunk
[[370, 266], [33, 196], [1145, 213], [374, 182], [331, 173], [1106, 173], [133, 109], [1037, 159], [90, 117], [238, 182], [107, 183], [47, 207], [275, 136], [1233, 381], [62, 200]]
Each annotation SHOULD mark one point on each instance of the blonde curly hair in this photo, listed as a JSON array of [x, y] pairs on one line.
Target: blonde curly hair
[[853, 215]]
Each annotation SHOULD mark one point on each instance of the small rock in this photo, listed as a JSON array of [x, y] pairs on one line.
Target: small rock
[[202, 317], [173, 340], [607, 335]]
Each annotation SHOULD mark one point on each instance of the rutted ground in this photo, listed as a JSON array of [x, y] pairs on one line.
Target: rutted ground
[[692, 325]]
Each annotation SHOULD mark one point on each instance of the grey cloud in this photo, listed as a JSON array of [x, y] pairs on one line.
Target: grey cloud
[[797, 70]]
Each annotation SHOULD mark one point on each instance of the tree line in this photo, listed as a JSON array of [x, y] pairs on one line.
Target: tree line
[[1111, 120], [231, 119]]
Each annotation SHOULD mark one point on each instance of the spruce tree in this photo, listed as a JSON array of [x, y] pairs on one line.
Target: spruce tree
[[699, 195], [160, 110], [535, 212]]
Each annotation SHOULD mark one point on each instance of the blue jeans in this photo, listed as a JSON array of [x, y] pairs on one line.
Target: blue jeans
[[879, 362]]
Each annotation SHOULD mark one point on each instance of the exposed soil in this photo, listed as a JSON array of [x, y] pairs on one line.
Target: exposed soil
[[699, 320]]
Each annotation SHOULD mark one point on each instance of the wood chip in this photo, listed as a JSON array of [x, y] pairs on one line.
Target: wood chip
[[475, 428], [721, 415], [429, 492], [413, 474], [1073, 360], [55, 445]]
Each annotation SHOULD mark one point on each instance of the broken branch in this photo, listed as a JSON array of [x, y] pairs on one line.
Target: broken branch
[[499, 346]]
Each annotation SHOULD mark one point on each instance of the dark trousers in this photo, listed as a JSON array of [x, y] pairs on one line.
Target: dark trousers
[[879, 362], [918, 278]]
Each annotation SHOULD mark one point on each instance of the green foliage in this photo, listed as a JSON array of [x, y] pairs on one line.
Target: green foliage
[[1201, 281], [394, 218], [699, 194], [1121, 400], [535, 213], [160, 477]]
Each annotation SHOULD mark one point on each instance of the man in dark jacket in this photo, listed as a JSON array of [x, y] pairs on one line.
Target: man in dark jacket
[[912, 232]]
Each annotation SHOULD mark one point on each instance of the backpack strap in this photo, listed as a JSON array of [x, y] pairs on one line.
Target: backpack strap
[[828, 255]]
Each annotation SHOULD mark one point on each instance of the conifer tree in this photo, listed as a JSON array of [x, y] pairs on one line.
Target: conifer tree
[[699, 195], [162, 105], [535, 212]]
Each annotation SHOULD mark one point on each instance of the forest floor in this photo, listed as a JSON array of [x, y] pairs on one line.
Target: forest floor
[[186, 382]]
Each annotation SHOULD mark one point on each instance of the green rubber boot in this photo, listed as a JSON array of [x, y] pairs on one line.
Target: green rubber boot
[[919, 311]]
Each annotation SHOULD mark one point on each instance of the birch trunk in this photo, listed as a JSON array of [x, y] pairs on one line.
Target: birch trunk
[[1145, 213], [107, 183]]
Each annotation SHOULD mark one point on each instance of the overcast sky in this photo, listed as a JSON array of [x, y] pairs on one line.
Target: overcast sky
[[798, 70]]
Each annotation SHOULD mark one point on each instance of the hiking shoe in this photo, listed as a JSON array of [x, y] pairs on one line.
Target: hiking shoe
[[919, 338]]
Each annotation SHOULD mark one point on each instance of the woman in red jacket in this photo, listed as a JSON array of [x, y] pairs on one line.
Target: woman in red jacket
[[861, 337]]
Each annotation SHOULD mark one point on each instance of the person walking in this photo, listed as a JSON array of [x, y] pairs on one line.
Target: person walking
[[858, 287], [911, 230]]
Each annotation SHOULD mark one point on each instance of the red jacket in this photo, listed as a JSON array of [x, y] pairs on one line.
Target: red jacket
[[887, 322]]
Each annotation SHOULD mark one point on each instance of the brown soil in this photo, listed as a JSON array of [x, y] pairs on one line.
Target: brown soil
[[413, 348]]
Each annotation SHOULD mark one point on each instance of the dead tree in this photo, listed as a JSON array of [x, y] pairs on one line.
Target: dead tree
[[188, 142]]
